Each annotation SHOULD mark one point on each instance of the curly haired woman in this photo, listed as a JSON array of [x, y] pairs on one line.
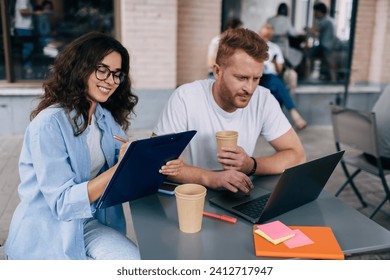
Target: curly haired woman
[[69, 155]]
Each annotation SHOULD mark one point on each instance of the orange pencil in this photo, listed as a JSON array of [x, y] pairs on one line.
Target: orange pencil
[[221, 217], [120, 138]]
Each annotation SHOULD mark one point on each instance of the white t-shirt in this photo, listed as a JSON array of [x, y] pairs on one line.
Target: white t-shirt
[[273, 49], [192, 106], [23, 22], [96, 154]]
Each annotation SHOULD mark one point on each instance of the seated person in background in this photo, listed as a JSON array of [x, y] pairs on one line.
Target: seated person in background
[[325, 28], [283, 29], [382, 115], [273, 67], [231, 23], [42, 22], [233, 101]]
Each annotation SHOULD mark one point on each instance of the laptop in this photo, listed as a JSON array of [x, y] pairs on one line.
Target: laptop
[[138, 172], [296, 186]]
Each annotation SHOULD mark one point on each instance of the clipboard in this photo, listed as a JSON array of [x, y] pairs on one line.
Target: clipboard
[[138, 172]]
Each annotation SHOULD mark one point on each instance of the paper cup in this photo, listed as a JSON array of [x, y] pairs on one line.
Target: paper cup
[[190, 203], [226, 138]]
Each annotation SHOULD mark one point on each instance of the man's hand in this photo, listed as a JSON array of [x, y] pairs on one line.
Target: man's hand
[[232, 180], [172, 168], [235, 158]]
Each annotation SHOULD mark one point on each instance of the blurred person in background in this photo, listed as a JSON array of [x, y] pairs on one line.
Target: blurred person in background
[[282, 31], [273, 68], [324, 28], [24, 28], [231, 23]]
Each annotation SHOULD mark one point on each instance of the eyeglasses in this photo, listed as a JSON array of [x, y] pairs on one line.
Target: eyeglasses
[[103, 72]]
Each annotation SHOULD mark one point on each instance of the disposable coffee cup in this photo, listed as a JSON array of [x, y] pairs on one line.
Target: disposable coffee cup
[[226, 138], [190, 204]]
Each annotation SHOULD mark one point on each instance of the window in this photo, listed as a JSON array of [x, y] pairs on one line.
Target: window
[[304, 52], [325, 66], [33, 32]]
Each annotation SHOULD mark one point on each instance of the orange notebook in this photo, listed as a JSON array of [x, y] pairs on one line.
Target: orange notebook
[[323, 246]]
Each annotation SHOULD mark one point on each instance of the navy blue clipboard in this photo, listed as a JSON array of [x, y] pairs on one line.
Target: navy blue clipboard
[[137, 174]]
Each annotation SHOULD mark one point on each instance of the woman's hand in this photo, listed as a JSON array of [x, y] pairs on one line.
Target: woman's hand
[[123, 149], [172, 168]]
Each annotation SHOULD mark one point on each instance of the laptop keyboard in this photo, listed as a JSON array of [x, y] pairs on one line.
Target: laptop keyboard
[[253, 208]]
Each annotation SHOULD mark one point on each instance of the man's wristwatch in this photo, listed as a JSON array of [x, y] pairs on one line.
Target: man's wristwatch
[[254, 167]]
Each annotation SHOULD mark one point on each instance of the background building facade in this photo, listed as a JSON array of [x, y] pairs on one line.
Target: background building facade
[[168, 40], [182, 29]]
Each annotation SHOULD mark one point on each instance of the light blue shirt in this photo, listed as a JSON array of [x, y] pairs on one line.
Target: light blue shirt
[[54, 169]]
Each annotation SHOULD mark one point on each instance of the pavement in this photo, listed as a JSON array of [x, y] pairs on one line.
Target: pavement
[[317, 140]]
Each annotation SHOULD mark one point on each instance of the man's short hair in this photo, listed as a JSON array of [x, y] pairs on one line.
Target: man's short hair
[[241, 39], [321, 7]]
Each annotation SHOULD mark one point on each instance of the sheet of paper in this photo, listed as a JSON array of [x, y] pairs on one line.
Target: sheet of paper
[[299, 239]]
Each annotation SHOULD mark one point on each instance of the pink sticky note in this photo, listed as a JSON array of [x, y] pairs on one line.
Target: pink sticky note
[[275, 230], [299, 239]]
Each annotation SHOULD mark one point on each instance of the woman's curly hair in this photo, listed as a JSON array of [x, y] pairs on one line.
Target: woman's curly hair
[[67, 85]]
